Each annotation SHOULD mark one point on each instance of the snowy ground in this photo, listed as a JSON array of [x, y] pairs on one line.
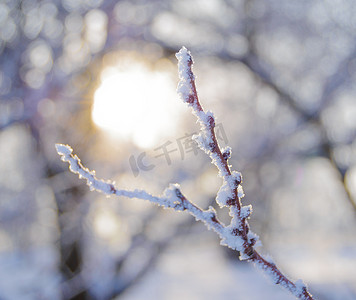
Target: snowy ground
[[197, 269], [194, 268], [202, 271]]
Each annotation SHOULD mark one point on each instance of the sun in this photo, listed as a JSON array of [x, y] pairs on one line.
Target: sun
[[136, 103]]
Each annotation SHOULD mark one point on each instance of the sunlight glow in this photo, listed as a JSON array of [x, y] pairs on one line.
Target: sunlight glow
[[136, 103], [106, 224]]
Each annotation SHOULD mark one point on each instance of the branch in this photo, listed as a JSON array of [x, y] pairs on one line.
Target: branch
[[172, 196], [236, 235]]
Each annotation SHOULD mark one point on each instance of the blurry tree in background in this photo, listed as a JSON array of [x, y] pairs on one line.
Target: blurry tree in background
[[280, 77]]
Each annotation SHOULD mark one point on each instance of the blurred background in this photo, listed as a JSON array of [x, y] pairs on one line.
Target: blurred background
[[101, 75]]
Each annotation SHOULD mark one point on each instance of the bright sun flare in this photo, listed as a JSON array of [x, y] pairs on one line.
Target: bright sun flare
[[135, 103]]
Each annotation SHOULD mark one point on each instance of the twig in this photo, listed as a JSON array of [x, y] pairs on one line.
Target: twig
[[236, 235]]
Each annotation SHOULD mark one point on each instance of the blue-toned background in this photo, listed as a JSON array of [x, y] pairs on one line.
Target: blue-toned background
[[101, 76]]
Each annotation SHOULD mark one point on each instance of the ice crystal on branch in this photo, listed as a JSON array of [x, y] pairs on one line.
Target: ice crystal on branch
[[237, 234], [185, 60]]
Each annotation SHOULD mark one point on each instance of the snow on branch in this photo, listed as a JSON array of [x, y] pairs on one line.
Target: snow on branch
[[237, 234], [172, 196]]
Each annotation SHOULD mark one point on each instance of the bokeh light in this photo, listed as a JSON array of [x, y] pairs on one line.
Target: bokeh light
[[101, 76], [136, 103]]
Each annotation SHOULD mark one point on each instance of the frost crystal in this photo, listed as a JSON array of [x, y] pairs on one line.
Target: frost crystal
[[64, 149], [224, 194], [246, 211], [184, 62], [200, 139], [299, 287], [183, 91], [171, 198], [232, 241], [206, 119], [236, 175], [253, 236], [240, 192], [226, 152]]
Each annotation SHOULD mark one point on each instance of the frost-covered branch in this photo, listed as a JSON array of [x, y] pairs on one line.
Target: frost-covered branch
[[236, 235], [172, 196]]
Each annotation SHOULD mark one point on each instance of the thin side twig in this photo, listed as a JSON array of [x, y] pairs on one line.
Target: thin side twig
[[236, 235]]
